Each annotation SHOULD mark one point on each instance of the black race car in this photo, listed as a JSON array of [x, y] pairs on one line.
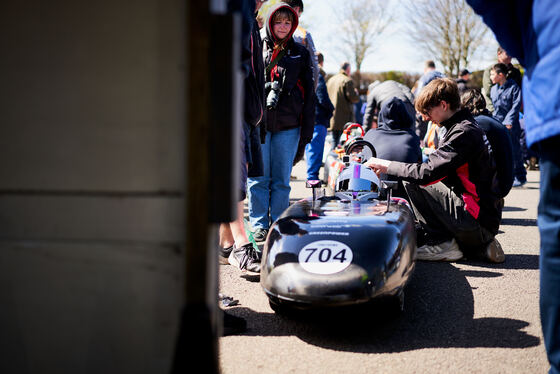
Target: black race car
[[349, 248]]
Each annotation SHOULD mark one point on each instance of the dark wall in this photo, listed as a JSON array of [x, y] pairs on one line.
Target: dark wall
[[92, 95], [92, 181]]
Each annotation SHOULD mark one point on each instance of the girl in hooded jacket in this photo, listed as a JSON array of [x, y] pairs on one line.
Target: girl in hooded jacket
[[290, 117]]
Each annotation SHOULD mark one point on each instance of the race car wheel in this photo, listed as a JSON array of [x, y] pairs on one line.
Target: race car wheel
[[397, 302], [277, 306], [388, 306]]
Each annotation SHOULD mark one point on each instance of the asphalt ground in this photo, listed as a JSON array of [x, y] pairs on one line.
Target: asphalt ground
[[464, 317]]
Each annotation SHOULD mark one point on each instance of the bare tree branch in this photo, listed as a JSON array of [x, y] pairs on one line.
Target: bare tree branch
[[449, 30], [360, 25]]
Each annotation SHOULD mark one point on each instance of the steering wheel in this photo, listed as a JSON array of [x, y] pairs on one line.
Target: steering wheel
[[348, 129], [359, 145]]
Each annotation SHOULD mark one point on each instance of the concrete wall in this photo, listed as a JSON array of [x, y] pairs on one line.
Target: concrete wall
[[92, 181]]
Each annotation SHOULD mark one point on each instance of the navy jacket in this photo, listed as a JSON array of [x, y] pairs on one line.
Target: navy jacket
[[324, 109], [502, 151], [395, 138]]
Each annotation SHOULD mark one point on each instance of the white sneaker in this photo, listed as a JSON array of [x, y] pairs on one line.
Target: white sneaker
[[446, 251], [246, 258]]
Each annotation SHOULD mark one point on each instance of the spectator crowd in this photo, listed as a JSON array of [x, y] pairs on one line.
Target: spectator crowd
[[298, 108], [455, 150]]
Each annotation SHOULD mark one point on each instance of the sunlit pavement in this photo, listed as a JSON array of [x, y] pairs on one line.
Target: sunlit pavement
[[466, 317]]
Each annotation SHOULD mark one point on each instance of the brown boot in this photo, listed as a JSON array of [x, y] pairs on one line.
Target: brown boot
[[494, 252]]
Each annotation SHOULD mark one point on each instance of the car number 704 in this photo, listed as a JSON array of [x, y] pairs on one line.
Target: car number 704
[[325, 254], [325, 257]]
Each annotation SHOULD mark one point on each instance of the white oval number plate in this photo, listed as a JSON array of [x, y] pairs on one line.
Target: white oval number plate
[[325, 257]]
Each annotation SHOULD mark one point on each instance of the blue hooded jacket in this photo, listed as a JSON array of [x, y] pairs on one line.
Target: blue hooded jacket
[[529, 31]]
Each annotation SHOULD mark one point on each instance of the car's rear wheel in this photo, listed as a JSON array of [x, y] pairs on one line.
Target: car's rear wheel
[[277, 305], [397, 304]]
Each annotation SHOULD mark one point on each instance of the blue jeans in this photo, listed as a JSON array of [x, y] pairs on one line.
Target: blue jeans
[[314, 152], [269, 195], [549, 227]]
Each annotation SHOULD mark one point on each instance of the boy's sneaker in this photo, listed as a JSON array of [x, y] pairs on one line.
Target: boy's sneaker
[[494, 252], [260, 235], [446, 251], [246, 258], [224, 255]]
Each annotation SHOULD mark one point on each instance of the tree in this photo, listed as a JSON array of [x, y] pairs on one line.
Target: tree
[[447, 29], [360, 25]]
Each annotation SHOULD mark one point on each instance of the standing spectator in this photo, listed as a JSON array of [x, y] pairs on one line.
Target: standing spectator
[[430, 73], [512, 73], [463, 81], [290, 113], [506, 99], [395, 139], [343, 95], [381, 92], [497, 135], [302, 36], [323, 113], [530, 30], [453, 193], [358, 113], [235, 247]]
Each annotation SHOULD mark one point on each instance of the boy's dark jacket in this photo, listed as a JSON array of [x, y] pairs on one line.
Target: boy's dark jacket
[[296, 105], [463, 162]]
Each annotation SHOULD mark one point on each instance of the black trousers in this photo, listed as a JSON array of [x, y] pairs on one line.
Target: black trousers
[[442, 216]]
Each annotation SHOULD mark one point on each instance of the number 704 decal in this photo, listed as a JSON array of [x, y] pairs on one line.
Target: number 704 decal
[[325, 257]]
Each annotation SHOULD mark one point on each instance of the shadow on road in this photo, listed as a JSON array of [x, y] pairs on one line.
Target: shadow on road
[[513, 209], [439, 310], [515, 262], [518, 222]]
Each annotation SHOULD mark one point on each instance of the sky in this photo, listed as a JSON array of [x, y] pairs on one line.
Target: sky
[[394, 52]]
